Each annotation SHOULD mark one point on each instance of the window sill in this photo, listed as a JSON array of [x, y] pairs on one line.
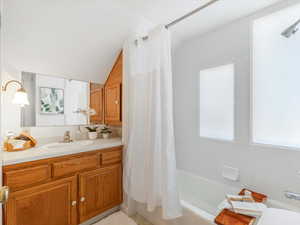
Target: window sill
[[218, 139], [274, 147]]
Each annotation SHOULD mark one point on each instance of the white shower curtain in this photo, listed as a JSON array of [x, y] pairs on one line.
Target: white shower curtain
[[150, 165]]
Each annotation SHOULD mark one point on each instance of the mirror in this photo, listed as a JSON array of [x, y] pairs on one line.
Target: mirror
[[54, 101]]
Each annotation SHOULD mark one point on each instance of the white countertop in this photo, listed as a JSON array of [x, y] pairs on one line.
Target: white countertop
[[42, 152]]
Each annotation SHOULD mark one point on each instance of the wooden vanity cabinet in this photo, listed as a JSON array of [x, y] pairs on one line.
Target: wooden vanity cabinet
[[113, 104], [113, 94], [99, 190], [79, 187], [47, 204]]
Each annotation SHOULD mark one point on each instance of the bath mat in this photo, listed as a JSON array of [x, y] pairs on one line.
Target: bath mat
[[118, 218]]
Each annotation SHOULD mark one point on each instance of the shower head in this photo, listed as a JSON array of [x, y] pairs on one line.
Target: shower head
[[291, 30]]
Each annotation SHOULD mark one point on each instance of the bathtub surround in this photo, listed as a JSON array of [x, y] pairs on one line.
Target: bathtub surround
[[200, 198], [191, 215], [270, 170], [150, 164]]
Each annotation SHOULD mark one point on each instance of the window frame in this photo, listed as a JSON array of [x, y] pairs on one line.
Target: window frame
[[252, 70]]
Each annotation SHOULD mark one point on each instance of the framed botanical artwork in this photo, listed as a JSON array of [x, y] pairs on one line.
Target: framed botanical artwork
[[51, 100]]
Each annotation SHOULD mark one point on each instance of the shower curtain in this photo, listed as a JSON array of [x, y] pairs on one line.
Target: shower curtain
[[150, 164]]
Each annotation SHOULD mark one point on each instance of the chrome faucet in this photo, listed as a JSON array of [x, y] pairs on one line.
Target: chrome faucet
[[67, 137]]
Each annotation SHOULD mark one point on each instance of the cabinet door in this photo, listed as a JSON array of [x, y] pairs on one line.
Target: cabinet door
[[99, 190], [48, 204], [113, 104], [116, 73], [96, 102]]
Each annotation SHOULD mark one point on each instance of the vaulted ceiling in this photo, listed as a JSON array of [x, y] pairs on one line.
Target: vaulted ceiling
[[81, 39]]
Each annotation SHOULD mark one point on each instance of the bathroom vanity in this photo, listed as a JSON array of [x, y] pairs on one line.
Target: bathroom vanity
[[63, 185]]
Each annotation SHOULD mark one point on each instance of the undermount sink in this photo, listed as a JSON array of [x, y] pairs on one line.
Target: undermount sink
[[69, 145]]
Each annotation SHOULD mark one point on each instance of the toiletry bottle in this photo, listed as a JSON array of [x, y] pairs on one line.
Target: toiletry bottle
[[78, 134]]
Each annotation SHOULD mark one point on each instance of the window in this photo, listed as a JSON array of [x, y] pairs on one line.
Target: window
[[276, 80], [216, 103]]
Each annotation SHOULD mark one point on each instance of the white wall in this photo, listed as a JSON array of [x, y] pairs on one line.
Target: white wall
[[275, 104], [266, 169], [76, 40], [81, 39]]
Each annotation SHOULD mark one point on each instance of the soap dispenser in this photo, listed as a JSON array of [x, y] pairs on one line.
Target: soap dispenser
[[78, 134]]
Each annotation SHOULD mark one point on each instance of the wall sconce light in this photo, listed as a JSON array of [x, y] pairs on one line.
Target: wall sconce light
[[21, 97]]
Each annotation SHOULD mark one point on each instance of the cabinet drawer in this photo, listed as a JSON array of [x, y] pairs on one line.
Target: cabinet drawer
[[17, 179], [111, 157], [74, 165]]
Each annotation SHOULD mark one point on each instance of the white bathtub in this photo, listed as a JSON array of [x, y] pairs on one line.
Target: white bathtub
[[200, 198]]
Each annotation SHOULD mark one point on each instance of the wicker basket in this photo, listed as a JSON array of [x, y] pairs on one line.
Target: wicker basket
[[30, 143]]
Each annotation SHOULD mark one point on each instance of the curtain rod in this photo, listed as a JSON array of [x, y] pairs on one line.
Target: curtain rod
[[185, 16]]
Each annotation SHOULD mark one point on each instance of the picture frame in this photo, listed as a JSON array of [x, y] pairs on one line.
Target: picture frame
[[51, 100]]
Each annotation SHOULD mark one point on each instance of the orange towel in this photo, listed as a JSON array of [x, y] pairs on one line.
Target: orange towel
[[258, 197], [227, 217]]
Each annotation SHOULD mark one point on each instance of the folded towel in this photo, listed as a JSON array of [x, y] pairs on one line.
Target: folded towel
[[227, 217], [223, 205], [248, 208]]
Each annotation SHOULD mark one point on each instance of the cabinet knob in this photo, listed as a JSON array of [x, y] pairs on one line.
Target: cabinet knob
[[74, 203], [82, 199], [116, 102]]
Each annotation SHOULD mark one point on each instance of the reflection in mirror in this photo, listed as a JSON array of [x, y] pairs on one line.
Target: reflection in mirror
[[28, 118], [55, 101], [96, 103], [76, 102]]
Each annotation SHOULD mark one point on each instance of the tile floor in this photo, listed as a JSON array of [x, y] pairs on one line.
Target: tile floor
[[140, 220], [121, 218]]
